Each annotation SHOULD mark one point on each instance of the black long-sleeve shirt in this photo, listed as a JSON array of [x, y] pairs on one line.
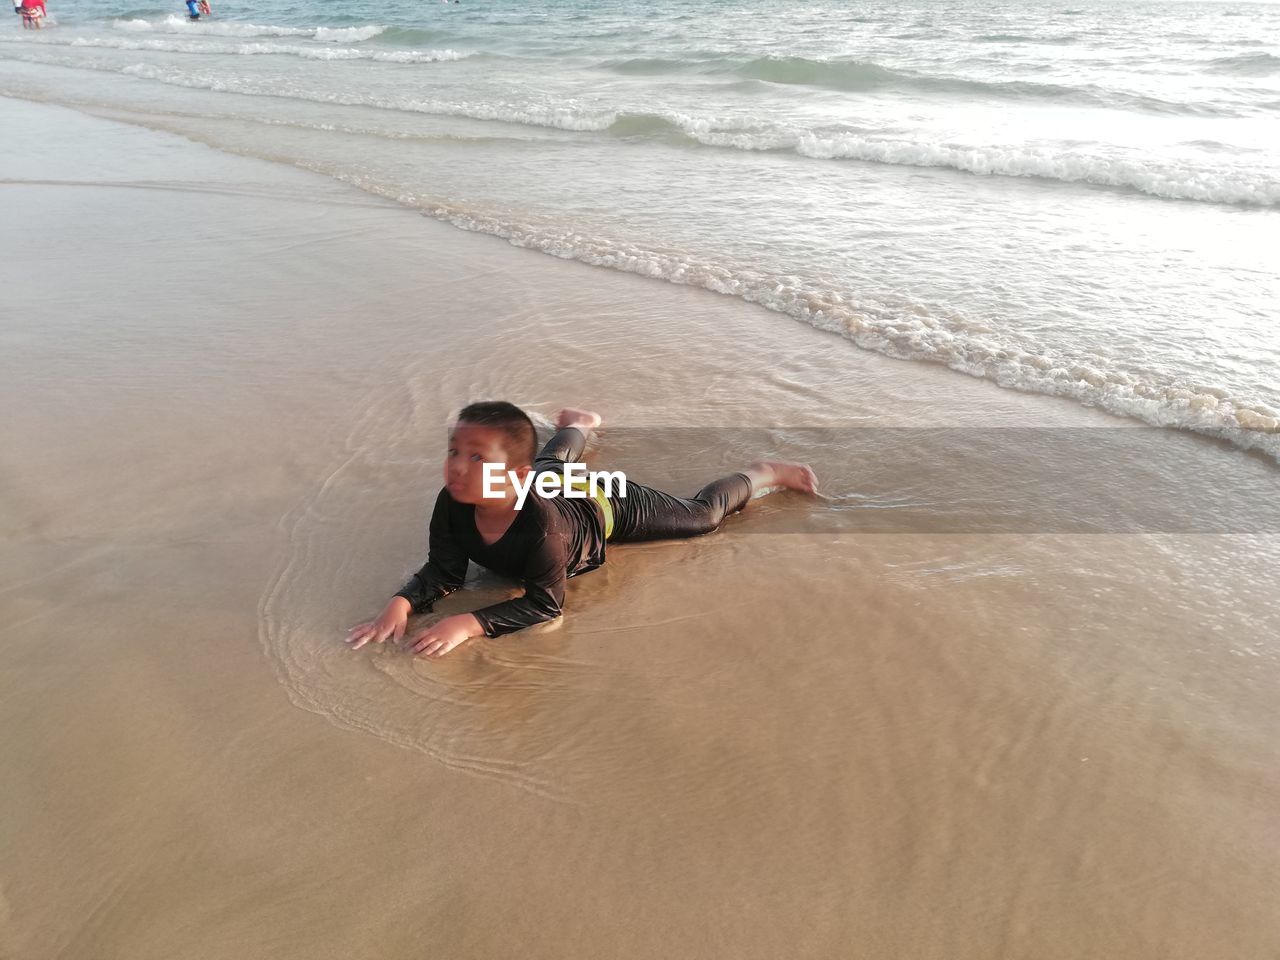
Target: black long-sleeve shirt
[[550, 540]]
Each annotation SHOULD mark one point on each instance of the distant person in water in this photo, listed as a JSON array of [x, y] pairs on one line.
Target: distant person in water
[[193, 10], [33, 14], [547, 539]]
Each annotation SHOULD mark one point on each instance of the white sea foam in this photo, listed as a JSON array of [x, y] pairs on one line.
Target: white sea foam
[[347, 34], [1202, 162], [218, 28], [896, 327], [262, 48], [568, 115], [1219, 183], [1214, 181]]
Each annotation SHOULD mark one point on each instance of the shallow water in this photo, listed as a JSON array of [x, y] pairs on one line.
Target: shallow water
[[1074, 200]]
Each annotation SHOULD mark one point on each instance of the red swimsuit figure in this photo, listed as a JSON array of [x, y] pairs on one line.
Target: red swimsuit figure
[[33, 14]]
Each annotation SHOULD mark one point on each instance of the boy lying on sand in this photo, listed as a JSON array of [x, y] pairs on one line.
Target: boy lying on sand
[[548, 539]]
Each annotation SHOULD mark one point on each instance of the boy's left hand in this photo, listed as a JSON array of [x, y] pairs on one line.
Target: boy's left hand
[[439, 638]]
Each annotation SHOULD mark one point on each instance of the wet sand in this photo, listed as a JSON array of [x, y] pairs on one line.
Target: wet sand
[[225, 384]]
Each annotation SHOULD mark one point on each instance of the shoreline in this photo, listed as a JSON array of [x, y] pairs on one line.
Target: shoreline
[[873, 317]]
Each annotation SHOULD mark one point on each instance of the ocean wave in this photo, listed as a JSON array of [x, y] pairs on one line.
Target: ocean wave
[[648, 125], [410, 36], [833, 74], [897, 327], [348, 34], [567, 115], [137, 13], [670, 125], [221, 28], [854, 75], [649, 66], [1026, 38], [1250, 64], [860, 75], [250, 48], [1167, 179]]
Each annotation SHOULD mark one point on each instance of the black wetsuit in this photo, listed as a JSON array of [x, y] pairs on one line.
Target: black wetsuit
[[555, 538]]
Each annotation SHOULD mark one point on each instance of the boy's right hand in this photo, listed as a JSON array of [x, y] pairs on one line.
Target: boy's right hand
[[389, 625]]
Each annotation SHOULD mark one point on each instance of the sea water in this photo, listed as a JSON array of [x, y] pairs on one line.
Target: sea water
[[1067, 197]]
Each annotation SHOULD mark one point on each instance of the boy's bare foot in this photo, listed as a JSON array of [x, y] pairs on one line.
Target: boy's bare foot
[[584, 420], [782, 473]]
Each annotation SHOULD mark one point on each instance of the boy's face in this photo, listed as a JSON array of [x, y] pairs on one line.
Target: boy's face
[[471, 446]]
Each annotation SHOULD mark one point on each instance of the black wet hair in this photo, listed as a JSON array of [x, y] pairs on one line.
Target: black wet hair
[[517, 429]]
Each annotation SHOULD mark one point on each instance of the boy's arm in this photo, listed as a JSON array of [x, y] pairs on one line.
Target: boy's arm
[[444, 571], [544, 579], [446, 566], [544, 582]]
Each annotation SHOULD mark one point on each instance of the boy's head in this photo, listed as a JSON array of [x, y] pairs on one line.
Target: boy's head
[[493, 431]]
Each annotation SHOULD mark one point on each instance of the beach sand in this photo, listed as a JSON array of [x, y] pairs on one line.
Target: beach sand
[[225, 386]]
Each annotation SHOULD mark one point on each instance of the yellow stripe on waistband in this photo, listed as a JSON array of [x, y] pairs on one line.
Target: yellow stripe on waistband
[[605, 507]]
